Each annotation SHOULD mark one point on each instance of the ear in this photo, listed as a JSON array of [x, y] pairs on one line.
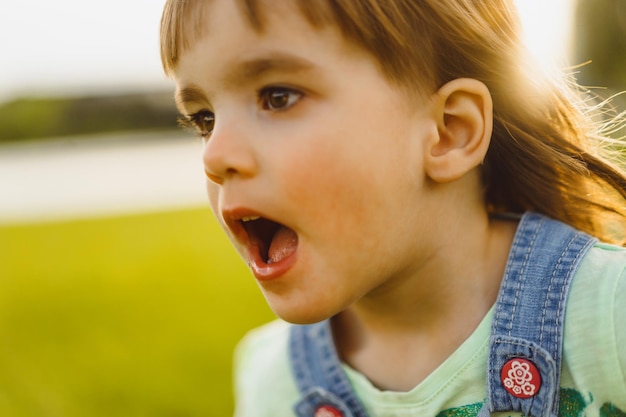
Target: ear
[[464, 113]]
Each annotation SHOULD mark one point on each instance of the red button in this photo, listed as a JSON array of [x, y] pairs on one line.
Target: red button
[[328, 411], [521, 378]]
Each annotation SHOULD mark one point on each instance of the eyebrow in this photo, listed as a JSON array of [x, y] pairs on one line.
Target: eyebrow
[[189, 95], [246, 71], [258, 67]]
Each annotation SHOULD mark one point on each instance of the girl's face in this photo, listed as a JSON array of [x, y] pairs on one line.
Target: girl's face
[[314, 160]]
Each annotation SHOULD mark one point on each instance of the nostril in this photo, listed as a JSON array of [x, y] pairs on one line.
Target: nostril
[[213, 178]]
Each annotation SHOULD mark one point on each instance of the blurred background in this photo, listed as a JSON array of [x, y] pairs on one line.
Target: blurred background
[[119, 295]]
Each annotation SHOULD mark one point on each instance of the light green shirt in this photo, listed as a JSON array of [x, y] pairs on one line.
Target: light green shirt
[[593, 380]]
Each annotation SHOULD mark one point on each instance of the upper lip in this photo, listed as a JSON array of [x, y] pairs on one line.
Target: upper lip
[[233, 218], [255, 240]]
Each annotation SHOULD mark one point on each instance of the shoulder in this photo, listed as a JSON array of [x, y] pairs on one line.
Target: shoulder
[[611, 256], [600, 281], [602, 271], [268, 339], [595, 336], [263, 381]]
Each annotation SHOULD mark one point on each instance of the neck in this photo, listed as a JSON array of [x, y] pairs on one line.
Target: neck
[[429, 312]]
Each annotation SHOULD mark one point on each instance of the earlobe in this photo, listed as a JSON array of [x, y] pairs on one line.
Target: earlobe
[[464, 112]]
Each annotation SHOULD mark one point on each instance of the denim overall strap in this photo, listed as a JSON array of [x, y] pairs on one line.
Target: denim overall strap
[[324, 387], [525, 346]]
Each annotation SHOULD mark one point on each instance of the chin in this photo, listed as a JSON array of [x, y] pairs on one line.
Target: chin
[[302, 313]]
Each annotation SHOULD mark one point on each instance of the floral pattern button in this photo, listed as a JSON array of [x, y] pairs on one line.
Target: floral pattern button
[[521, 378], [328, 411]]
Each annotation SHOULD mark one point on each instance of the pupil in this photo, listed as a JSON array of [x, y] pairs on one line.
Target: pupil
[[279, 99], [208, 123]]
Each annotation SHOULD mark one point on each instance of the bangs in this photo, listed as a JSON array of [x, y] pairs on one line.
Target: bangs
[[388, 33], [182, 24]]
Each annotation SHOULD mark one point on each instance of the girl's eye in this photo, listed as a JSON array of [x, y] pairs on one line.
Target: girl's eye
[[278, 98], [203, 122]]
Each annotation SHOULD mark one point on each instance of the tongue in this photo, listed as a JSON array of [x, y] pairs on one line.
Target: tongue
[[283, 244]]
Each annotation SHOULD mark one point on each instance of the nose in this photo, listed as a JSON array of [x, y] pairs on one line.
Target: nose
[[228, 153]]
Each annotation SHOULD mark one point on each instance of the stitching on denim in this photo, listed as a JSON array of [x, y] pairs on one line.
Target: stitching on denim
[[507, 272], [315, 396], [522, 342], [563, 297], [567, 259], [333, 371], [521, 233], [554, 278], [302, 376], [522, 270]]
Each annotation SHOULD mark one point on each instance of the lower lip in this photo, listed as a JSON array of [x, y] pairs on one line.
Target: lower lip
[[268, 272]]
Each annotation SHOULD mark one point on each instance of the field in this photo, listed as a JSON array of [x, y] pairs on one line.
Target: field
[[129, 316]]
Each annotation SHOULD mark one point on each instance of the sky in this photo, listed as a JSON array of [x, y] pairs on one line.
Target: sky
[[55, 46], [62, 46]]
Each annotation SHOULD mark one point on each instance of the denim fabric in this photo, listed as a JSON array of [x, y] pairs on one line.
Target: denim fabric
[[318, 372], [528, 319], [527, 324]]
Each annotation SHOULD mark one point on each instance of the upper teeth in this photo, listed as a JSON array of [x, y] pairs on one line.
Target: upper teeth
[[250, 219]]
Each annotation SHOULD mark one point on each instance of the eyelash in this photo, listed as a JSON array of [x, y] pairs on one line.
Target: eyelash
[[266, 95], [204, 121]]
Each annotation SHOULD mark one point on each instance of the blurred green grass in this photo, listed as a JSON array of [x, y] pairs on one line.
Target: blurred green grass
[[128, 316]]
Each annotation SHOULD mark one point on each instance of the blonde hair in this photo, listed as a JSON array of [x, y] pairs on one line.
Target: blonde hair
[[546, 155]]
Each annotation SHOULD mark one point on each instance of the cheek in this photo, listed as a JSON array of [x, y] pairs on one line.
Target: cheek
[[331, 187], [343, 163], [317, 173]]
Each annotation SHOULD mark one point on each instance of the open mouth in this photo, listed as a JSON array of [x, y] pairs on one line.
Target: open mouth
[[274, 241]]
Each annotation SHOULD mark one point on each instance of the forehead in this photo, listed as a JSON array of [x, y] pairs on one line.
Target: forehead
[[233, 55], [184, 22]]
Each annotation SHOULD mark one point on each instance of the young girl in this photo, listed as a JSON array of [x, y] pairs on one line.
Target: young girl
[[416, 198]]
